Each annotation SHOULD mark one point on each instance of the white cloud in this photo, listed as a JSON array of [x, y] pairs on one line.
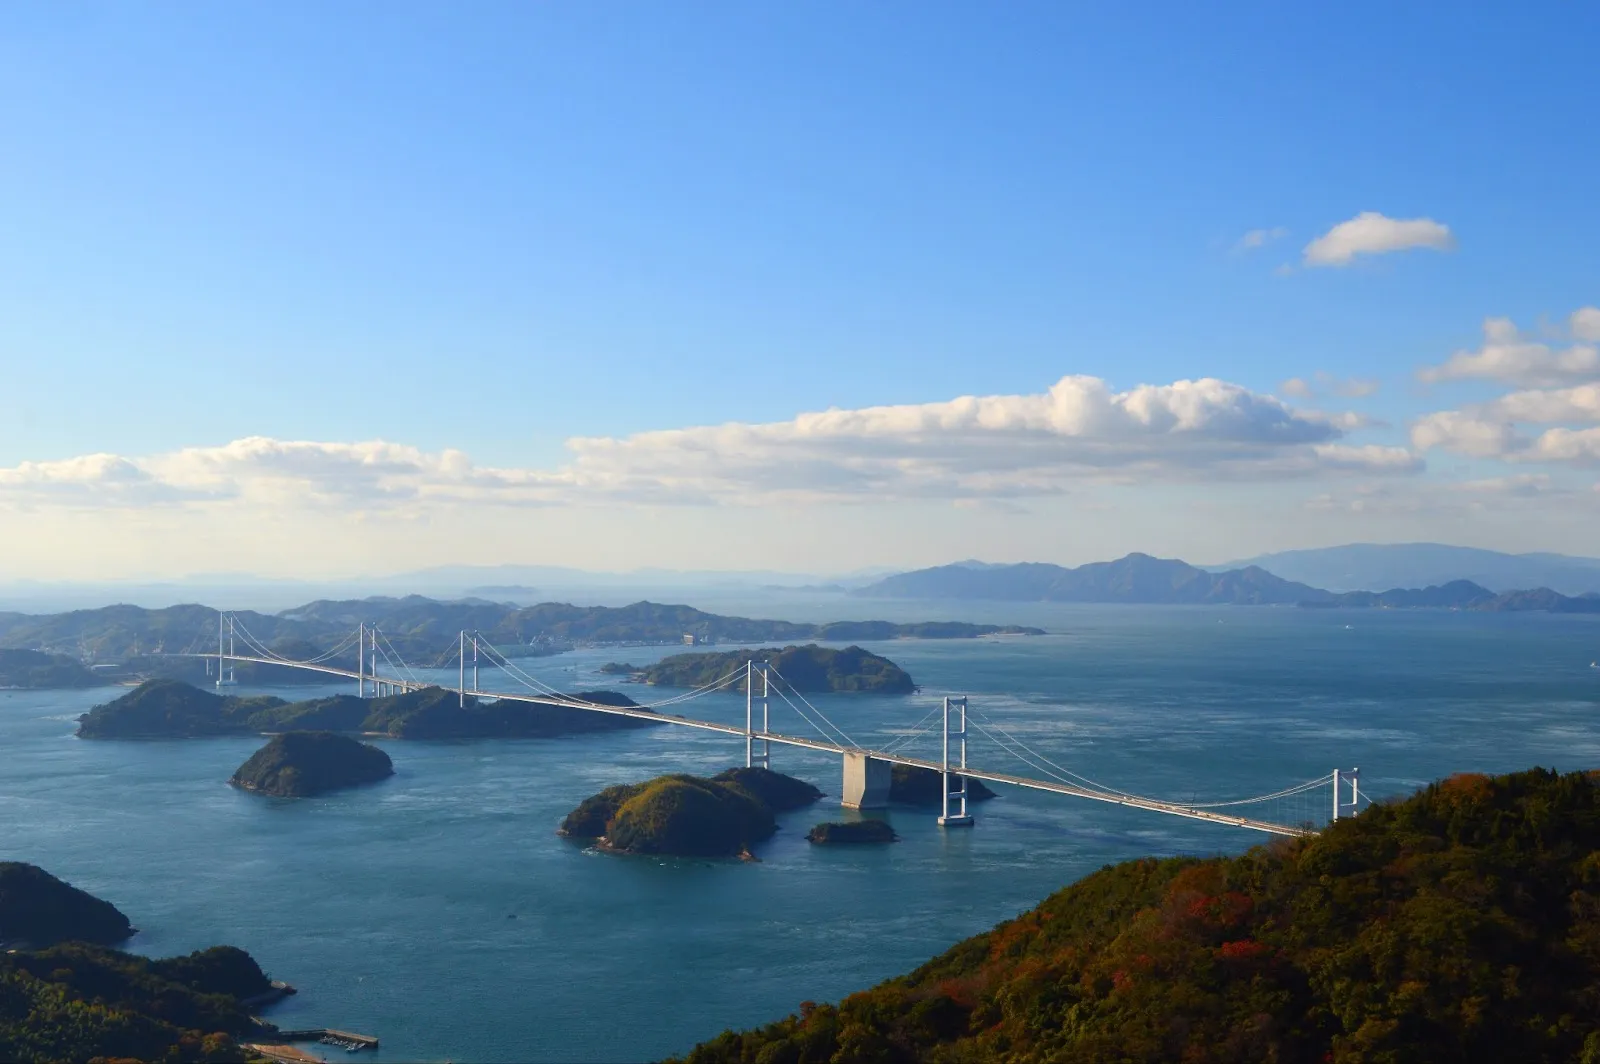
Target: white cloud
[[1489, 430], [1078, 432], [1579, 447], [1507, 355], [1465, 432], [1298, 387], [1548, 407], [1585, 323], [996, 445], [1260, 238], [1371, 233]]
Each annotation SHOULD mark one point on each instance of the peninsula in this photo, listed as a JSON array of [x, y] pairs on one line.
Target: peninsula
[[78, 1000], [688, 816], [35, 670], [809, 669], [301, 764]]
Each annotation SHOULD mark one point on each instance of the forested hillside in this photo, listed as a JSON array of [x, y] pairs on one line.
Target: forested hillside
[[1462, 924]]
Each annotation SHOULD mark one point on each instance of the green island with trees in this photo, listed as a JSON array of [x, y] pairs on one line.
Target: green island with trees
[[300, 764], [64, 995], [809, 669], [689, 816], [851, 833], [1462, 923], [915, 785], [174, 709]]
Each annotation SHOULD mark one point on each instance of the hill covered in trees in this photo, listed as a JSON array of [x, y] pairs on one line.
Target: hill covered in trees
[[687, 816], [1462, 923], [33, 669], [807, 668], [37, 909], [301, 764], [75, 1000], [173, 709]]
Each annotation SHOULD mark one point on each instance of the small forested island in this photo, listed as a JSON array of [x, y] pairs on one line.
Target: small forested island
[[174, 709], [911, 785], [688, 816], [300, 764], [37, 909], [852, 833], [809, 669], [1460, 924], [75, 1000]]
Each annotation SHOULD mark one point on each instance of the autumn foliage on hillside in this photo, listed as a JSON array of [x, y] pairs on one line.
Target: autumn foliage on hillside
[[1462, 923]]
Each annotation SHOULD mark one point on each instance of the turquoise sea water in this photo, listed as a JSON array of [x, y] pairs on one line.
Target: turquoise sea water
[[439, 911]]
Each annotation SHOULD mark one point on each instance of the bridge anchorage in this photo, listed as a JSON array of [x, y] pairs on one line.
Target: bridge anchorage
[[381, 670]]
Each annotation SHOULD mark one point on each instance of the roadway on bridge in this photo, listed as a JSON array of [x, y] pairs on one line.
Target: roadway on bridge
[[1150, 804]]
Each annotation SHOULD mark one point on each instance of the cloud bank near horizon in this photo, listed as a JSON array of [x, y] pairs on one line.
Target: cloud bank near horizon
[[1079, 431]]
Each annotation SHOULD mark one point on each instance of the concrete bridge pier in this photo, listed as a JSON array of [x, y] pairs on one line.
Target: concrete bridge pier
[[866, 782]]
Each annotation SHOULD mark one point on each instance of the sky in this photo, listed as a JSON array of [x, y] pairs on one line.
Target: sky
[[339, 290]]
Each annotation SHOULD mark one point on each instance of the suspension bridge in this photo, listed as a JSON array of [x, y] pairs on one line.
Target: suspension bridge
[[1291, 811]]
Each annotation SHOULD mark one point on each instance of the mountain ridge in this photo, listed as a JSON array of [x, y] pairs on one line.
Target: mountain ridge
[[1135, 577], [1381, 566], [1143, 579]]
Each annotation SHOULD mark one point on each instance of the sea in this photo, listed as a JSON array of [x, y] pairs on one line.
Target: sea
[[440, 911]]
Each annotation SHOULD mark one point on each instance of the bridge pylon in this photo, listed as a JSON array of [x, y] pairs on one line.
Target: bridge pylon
[[752, 700], [1353, 778], [960, 818]]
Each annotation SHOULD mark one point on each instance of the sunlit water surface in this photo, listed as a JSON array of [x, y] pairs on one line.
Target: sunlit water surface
[[439, 910]]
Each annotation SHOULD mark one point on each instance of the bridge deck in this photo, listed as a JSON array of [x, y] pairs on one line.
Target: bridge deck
[[1151, 804]]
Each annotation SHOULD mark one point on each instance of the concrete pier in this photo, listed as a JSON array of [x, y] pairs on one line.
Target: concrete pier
[[866, 782]]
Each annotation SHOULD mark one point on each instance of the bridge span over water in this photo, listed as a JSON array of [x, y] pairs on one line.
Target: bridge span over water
[[1291, 811]]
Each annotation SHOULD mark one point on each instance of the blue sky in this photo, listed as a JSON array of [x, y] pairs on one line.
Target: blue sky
[[490, 230]]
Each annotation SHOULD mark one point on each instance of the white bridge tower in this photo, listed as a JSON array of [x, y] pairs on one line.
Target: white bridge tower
[[960, 817], [754, 698], [1353, 778]]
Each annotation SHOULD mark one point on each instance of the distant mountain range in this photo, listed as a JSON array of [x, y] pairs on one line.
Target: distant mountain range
[[1136, 578], [1140, 578], [1376, 566]]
